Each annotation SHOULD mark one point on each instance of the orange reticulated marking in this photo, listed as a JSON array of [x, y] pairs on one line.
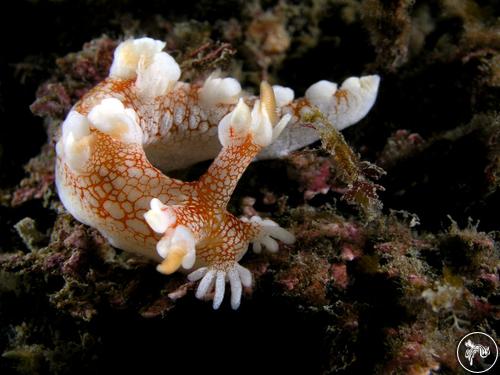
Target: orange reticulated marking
[[225, 239], [217, 185], [298, 105], [120, 183], [341, 95], [109, 88], [181, 103], [119, 186]]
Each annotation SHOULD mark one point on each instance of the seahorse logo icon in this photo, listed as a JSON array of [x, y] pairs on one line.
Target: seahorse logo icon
[[477, 352], [483, 351]]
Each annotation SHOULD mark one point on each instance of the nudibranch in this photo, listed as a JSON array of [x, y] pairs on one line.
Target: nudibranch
[[142, 120]]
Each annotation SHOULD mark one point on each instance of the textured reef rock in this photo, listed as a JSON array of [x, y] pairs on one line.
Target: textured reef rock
[[366, 288]]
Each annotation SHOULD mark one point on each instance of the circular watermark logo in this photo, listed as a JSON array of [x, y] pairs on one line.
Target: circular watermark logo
[[477, 352]]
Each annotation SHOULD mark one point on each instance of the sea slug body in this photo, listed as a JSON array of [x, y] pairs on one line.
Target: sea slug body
[[142, 120]]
